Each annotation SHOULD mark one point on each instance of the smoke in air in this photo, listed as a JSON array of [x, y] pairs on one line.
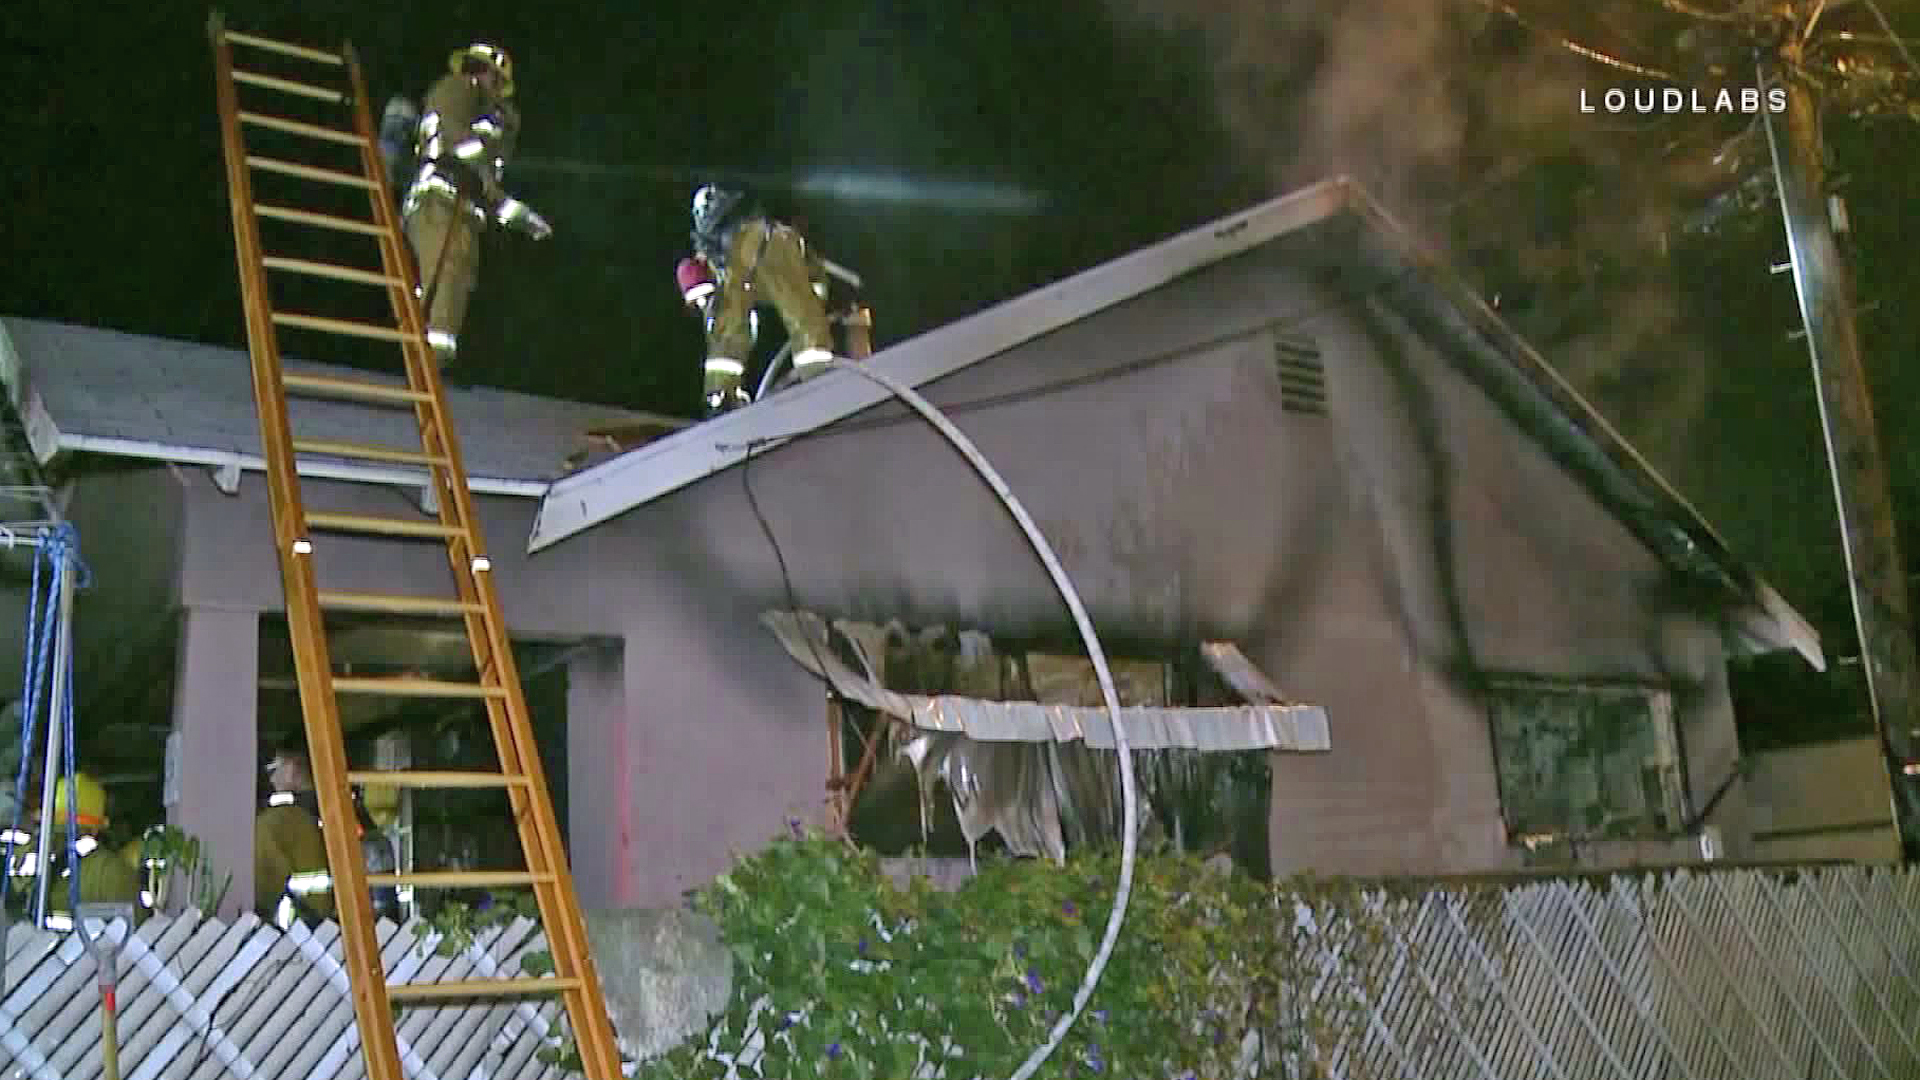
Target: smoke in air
[[1466, 124]]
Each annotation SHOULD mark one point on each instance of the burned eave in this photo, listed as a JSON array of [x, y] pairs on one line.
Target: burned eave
[[1365, 254]]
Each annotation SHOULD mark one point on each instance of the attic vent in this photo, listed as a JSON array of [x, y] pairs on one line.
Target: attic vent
[[1303, 380]]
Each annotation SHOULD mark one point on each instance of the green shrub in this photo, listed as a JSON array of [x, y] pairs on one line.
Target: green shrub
[[839, 973]]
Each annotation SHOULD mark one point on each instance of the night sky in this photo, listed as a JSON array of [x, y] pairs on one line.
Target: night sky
[[982, 154]]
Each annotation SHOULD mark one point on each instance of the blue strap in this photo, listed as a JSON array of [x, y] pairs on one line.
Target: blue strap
[[58, 550]]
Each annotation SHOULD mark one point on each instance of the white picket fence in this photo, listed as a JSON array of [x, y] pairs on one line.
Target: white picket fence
[[203, 1000], [1734, 974]]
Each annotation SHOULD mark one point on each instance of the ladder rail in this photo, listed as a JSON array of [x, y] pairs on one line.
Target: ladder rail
[[319, 709], [509, 718]]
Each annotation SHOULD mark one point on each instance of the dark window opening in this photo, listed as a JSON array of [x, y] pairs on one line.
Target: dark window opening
[[423, 829], [1205, 803]]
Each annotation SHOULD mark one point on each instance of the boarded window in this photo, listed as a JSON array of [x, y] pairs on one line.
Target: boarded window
[[1587, 763]]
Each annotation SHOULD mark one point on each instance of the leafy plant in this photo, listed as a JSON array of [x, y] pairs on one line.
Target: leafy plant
[[178, 854], [458, 924], [840, 973]]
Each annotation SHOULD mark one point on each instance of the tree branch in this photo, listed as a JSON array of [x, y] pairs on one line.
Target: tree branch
[[1584, 51]]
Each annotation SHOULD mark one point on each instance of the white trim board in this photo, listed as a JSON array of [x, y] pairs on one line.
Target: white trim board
[[318, 470]]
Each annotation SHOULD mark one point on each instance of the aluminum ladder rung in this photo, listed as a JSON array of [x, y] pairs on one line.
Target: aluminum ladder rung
[[391, 604], [297, 127], [324, 221], [363, 389], [308, 172], [408, 686], [458, 879], [376, 525], [469, 988], [301, 51], [318, 93], [366, 453], [343, 327], [328, 270], [408, 778]]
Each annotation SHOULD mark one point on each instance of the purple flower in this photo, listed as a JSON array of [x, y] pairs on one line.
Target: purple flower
[[1094, 1060], [1069, 908], [793, 826], [1033, 981], [863, 947], [1019, 1000], [833, 1051], [1100, 1015], [787, 1021], [485, 902]]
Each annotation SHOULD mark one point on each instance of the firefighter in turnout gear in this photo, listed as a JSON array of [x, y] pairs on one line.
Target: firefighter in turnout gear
[[754, 258], [468, 125], [290, 875], [105, 876]]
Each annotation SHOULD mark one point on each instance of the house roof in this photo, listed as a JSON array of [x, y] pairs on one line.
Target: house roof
[[85, 389]]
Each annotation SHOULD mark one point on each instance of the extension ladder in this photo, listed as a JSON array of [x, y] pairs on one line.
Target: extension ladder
[[294, 526]]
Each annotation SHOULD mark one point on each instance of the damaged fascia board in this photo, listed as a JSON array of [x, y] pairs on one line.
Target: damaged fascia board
[[591, 496], [1287, 728], [318, 470]]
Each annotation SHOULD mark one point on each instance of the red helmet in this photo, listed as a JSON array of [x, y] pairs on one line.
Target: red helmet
[[695, 279]]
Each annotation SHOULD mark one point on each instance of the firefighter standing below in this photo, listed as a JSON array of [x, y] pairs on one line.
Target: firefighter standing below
[[290, 876], [750, 253], [467, 130], [105, 876]]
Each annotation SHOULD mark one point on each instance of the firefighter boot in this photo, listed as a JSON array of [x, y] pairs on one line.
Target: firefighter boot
[[722, 390]]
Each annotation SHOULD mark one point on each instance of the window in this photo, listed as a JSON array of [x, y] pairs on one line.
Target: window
[[1026, 792], [1587, 763]]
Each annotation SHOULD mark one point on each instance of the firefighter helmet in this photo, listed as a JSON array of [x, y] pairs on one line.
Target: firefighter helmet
[[493, 56], [711, 204], [90, 808]]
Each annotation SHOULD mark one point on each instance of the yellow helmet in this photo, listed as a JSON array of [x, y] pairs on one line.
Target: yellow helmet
[[90, 808], [491, 55]]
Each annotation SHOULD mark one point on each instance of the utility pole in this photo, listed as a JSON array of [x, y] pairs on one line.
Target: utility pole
[[1876, 577]]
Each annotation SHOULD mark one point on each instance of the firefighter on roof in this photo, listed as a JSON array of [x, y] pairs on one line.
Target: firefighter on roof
[[754, 258], [467, 131]]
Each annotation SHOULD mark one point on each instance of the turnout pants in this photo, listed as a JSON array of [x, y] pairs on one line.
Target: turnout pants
[[445, 236], [765, 262]]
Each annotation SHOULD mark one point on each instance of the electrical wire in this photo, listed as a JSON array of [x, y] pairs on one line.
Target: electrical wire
[[766, 528], [1122, 748]]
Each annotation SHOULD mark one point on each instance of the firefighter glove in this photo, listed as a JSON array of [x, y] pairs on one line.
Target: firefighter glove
[[520, 217]]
